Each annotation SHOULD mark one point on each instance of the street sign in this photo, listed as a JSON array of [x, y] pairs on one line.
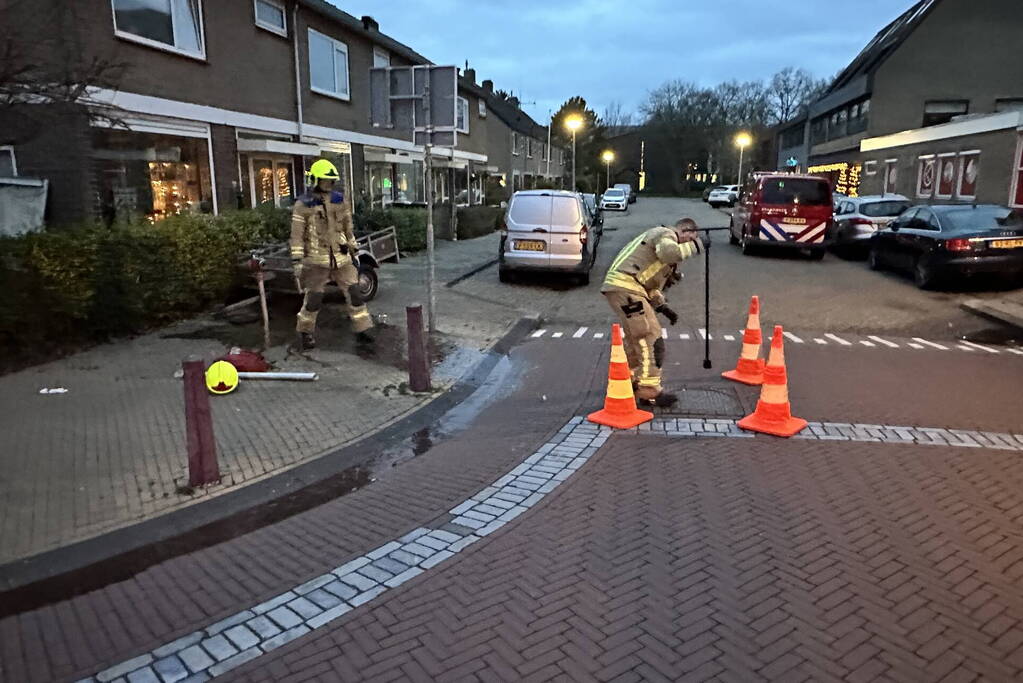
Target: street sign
[[792, 162], [398, 101]]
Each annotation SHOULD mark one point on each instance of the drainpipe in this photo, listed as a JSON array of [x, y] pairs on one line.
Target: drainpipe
[[298, 70]]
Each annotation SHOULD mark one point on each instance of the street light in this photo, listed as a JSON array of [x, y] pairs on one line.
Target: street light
[[608, 156], [573, 123], [742, 140]]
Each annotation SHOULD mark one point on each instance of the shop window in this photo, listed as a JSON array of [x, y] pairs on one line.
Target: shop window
[[937, 112], [167, 24], [891, 176], [462, 113], [8, 165], [328, 65], [969, 172], [410, 187], [946, 171], [270, 15], [380, 183], [927, 170], [152, 176]]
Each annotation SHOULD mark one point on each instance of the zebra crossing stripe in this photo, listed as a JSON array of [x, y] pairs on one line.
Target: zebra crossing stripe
[[580, 332], [729, 337], [703, 334], [792, 337], [867, 343], [978, 346], [683, 336], [557, 335], [820, 341], [838, 339], [931, 344], [914, 345], [598, 335], [664, 333], [1015, 351], [539, 333], [964, 347], [887, 343]]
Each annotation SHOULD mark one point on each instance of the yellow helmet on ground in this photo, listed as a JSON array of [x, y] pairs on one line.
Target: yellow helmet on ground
[[321, 170], [221, 378]]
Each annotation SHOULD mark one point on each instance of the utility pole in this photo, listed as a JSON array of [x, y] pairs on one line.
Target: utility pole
[[431, 317]]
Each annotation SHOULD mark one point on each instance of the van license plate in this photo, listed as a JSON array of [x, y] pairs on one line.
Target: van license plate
[[530, 245], [794, 221], [1007, 244]]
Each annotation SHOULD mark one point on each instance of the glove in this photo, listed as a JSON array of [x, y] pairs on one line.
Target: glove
[[343, 248], [656, 298], [296, 267], [671, 315]]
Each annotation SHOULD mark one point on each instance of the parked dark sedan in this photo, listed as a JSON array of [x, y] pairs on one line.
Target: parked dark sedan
[[938, 242]]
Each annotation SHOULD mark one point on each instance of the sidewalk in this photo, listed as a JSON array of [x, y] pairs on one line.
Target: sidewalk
[[111, 452]]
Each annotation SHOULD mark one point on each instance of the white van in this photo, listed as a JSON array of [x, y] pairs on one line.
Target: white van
[[547, 230]]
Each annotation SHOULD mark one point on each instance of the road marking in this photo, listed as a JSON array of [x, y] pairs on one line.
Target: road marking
[[703, 333], [978, 346], [931, 344], [729, 337], [883, 341], [539, 333], [838, 339], [914, 345], [683, 336], [866, 343], [1015, 351], [820, 341], [598, 335], [557, 335], [964, 347], [792, 337], [664, 333], [580, 332]]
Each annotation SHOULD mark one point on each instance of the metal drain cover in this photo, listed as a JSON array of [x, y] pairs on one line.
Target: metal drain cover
[[704, 401]]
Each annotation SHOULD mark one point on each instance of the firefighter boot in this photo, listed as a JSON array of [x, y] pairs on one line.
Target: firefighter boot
[[306, 341], [663, 399]]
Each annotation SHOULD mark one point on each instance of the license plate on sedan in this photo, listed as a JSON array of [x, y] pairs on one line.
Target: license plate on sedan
[[530, 245], [1007, 244]]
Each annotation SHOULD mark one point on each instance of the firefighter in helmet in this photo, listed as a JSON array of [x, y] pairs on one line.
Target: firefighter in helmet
[[634, 288], [323, 249]]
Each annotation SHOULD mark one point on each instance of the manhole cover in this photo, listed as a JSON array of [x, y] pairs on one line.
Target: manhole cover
[[704, 401]]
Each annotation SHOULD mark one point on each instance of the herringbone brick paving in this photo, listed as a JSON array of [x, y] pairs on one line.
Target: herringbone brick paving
[[672, 560]]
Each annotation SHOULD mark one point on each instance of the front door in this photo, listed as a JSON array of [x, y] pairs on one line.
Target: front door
[[272, 181]]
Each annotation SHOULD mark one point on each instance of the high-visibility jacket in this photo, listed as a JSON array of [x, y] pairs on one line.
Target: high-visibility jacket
[[644, 265], [320, 225]]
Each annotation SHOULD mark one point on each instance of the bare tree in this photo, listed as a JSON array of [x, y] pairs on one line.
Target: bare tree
[[615, 117], [791, 91]]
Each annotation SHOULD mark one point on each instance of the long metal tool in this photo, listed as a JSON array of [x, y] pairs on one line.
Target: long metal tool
[[707, 364]]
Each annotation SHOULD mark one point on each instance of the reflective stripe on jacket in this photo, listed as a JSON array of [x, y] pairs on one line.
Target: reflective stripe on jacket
[[645, 263], [320, 228]]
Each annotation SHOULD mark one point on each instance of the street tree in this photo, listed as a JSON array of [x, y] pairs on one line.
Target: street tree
[[589, 138], [791, 91], [616, 118]]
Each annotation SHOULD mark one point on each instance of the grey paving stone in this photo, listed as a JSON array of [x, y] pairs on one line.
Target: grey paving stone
[[462, 507], [481, 516], [536, 473], [499, 503], [363, 598], [351, 566], [562, 475], [124, 668], [227, 623], [375, 572], [171, 669], [519, 469], [546, 448], [489, 509], [234, 662], [490, 528], [219, 647], [436, 559], [403, 577], [549, 486], [513, 513], [323, 599], [263, 627], [530, 486], [404, 557], [341, 589], [531, 460], [513, 490], [445, 535], [328, 616], [146, 675], [419, 550], [465, 542], [358, 581], [241, 637], [473, 524], [304, 608], [393, 566], [178, 645], [196, 659], [383, 550], [284, 617], [485, 493], [285, 637], [503, 480], [274, 602], [588, 452], [460, 529], [413, 535], [532, 500], [433, 542], [313, 584], [576, 464], [201, 677]]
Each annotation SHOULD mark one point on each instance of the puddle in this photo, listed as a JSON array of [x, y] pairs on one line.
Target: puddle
[[998, 336]]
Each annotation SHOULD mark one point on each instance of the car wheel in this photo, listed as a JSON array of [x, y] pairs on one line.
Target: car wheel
[[746, 244], [874, 261], [817, 253], [368, 283], [922, 274], [505, 275], [583, 279]]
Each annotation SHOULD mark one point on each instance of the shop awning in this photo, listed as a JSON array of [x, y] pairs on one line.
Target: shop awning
[[485, 169], [450, 163], [277, 147], [375, 156]]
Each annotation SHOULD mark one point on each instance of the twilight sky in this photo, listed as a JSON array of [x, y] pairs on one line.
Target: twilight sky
[[605, 50]]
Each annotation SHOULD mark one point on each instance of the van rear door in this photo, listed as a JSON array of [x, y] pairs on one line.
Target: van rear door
[[794, 210], [529, 227], [569, 232]]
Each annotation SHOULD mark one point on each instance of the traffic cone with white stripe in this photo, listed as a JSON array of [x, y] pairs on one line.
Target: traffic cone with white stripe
[[750, 368], [774, 413], [620, 409]]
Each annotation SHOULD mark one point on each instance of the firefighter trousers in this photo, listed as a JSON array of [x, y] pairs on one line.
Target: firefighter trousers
[[644, 346], [314, 281]]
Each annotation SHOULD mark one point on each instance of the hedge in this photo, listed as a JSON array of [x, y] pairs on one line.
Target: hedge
[[409, 223], [63, 288], [476, 221]]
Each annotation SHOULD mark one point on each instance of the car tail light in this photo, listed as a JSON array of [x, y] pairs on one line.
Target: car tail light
[[958, 245], [860, 221], [584, 234]]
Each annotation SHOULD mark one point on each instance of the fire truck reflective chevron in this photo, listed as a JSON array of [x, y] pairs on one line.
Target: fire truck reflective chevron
[[776, 231]]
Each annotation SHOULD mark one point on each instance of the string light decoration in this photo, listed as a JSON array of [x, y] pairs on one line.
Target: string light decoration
[[844, 176], [283, 186]]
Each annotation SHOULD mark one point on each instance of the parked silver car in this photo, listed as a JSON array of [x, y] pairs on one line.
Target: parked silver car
[[629, 192], [614, 199], [858, 218], [547, 230]]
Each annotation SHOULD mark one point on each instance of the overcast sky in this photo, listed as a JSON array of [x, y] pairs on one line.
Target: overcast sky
[[605, 50]]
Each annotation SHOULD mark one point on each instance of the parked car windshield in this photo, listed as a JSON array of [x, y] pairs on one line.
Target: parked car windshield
[[531, 210], [796, 191], [876, 209], [984, 218], [614, 194], [565, 212]]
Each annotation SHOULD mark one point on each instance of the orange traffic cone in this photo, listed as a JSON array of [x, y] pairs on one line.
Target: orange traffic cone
[[620, 409], [750, 368], [774, 413]]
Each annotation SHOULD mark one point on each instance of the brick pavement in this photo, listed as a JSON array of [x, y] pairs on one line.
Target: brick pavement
[[683, 560]]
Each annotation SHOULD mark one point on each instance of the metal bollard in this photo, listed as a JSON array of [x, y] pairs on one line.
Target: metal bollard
[[418, 355], [202, 448]]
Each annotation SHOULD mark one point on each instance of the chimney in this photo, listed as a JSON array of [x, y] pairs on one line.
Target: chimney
[[470, 75], [514, 101], [369, 23], [488, 85]]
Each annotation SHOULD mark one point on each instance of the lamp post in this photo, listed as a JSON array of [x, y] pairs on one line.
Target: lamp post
[[742, 140], [608, 156], [573, 123]]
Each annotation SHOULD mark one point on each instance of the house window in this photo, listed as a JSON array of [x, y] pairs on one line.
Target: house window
[[328, 65], [174, 25], [793, 137], [946, 176], [482, 108], [381, 57], [529, 148], [270, 15], [819, 130], [969, 171], [926, 176], [515, 143], [462, 113], [8, 165], [1017, 194], [870, 167], [937, 112], [1009, 104]]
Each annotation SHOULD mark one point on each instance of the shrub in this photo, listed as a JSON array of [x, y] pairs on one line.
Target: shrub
[[475, 221], [409, 223]]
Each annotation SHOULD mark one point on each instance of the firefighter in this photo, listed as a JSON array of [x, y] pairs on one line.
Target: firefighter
[[634, 288], [323, 249]]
